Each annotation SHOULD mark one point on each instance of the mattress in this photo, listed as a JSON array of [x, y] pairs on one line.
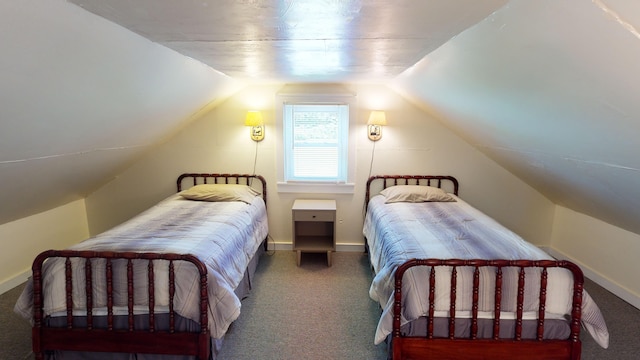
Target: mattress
[[397, 232], [223, 235]]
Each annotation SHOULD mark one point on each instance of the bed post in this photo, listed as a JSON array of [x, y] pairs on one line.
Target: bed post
[[38, 313], [576, 310]]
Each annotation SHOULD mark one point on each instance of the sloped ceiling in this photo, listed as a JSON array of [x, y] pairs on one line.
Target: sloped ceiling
[[544, 87], [80, 99], [549, 90]]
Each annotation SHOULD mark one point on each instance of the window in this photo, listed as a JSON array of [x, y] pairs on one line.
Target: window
[[317, 150], [316, 142]]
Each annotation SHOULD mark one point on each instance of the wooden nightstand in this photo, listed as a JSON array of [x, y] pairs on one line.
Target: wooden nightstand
[[314, 227]]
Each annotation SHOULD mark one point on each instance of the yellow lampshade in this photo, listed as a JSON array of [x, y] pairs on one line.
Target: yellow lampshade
[[377, 117], [254, 118]]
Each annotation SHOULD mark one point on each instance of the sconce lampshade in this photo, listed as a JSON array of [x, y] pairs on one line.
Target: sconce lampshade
[[254, 118], [376, 121], [377, 117]]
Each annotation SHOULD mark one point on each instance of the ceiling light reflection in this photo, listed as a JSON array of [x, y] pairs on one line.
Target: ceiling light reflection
[[315, 28]]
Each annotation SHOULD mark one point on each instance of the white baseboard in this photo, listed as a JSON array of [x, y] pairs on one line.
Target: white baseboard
[[339, 247], [350, 247], [14, 281], [279, 246], [599, 279]]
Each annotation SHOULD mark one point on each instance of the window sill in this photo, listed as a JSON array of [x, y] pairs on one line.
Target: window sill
[[316, 188]]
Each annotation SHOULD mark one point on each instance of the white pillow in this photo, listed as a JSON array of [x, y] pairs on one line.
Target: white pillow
[[220, 192], [415, 193]]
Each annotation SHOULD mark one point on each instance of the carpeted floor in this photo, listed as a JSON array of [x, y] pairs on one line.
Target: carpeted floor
[[319, 312], [15, 332], [307, 312]]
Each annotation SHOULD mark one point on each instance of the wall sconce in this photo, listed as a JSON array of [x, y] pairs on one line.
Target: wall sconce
[[377, 120], [254, 119]]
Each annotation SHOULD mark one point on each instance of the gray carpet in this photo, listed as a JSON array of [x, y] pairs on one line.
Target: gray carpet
[[15, 332], [307, 312], [319, 312]]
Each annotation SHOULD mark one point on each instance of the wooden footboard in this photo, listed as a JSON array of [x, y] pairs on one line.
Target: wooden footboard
[[471, 346], [96, 338]]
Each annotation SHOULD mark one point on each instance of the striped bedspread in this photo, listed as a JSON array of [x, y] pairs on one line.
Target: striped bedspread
[[398, 232], [223, 235]]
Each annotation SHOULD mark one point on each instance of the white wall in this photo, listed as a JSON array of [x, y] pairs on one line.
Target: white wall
[[81, 98], [24, 239], [413, 143], [606, 254]]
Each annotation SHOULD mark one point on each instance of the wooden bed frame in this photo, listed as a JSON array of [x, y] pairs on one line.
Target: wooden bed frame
[[472, 346], [131, 340], [74, 337]]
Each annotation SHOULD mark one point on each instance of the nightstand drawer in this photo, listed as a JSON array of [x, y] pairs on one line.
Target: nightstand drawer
[[313, 215]]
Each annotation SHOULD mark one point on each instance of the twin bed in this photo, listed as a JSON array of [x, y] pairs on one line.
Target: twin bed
[[166, 284], [454, 284]]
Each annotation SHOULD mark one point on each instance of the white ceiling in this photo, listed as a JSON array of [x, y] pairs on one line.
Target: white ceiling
[[299, 40], [547, 88]]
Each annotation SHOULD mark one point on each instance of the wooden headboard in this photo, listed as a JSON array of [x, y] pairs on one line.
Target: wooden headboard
[[193, 179], [377, 183]]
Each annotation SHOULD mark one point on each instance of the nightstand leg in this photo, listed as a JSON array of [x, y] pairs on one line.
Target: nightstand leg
[[298, 257], [329, 258]]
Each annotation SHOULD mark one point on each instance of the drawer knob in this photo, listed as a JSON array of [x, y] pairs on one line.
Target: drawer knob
[[313, 216]]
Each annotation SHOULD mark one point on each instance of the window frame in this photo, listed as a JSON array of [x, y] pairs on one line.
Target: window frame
[[316, 186]]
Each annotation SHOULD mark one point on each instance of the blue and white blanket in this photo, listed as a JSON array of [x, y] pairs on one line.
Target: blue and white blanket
[[398, 232], [223, 235]]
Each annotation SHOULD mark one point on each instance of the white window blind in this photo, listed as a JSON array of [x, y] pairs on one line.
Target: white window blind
[[316, 142]]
